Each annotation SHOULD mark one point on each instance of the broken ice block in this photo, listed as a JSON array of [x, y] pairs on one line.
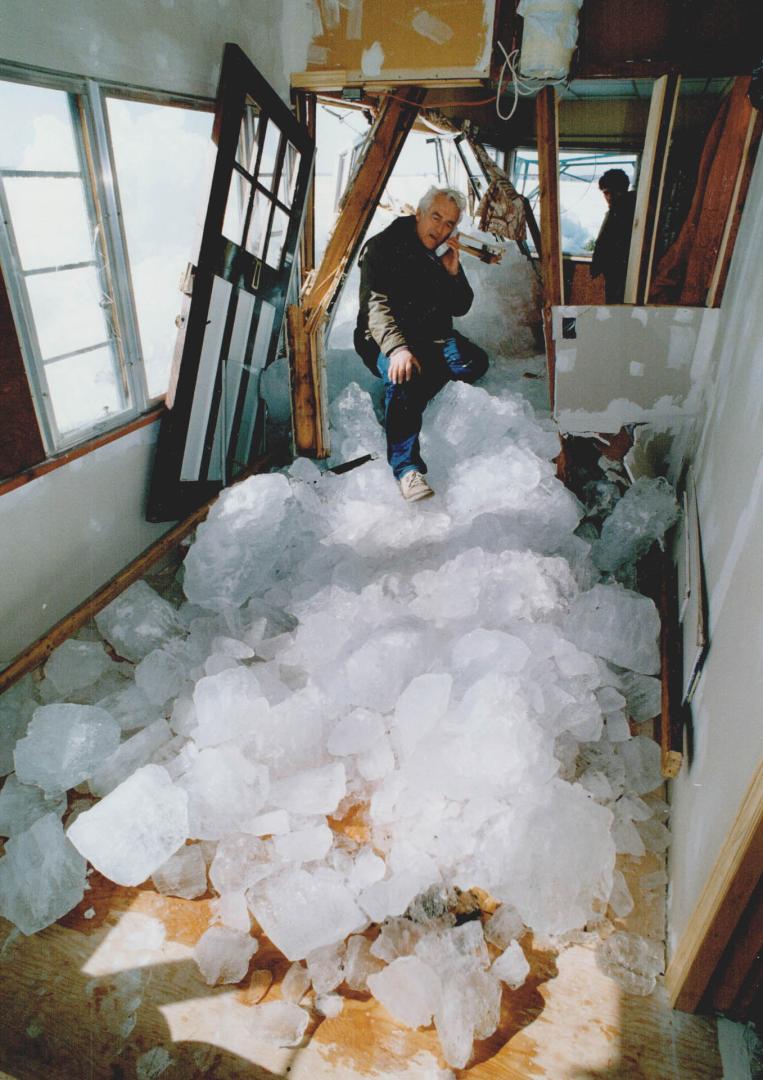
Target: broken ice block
[[643, 766], [643, 695], [138, 622], [359, 963], [644, 514], [165, 672], [312, 791], [296, 983], [279, 1022], [16, 708], [511, 966], [42, 876], [239, 862], [367, 868], [504, 926], [22, 804], [128, 757], [76, 664], [64, 744], [233, 912], [632, 961], [223, 955], [408, 989], [620, 625], [228, 706], [392, 897], [183, 874], [620, 899], [304, 845], [301, 911], [325, 966], [423, 702], [225, 792], [329, 1005], [134, 830], [356, 733]]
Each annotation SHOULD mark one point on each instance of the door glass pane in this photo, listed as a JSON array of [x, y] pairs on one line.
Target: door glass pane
[[234, 372], [84, 389], [246, 152], [67, 309], [163, 158], [50, 220], [209, 363], [289, 175], [236, 207], [269, 155], [37, 129], [277, 238], [255, 239], [262, 341]]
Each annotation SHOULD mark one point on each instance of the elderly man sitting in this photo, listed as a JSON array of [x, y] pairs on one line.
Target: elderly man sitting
[[408, 296]]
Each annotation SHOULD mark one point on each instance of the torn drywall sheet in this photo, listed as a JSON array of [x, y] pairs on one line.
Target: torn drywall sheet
[[628, 364]]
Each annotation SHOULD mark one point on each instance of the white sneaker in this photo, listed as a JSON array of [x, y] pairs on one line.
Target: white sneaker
[[413, 486]]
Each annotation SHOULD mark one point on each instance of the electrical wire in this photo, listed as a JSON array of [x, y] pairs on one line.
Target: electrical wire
[[522, 87]]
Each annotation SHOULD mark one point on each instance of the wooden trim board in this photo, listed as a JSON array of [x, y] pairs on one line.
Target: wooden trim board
[[662, 111], [729, 887], [547, 133]]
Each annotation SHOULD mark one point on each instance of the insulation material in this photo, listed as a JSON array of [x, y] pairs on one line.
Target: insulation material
[[626, 365], [372, 59], [549, 37]]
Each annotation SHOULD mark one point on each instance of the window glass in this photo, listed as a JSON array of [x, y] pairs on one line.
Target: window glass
[[163, 156], [277, 238], [582, 206], [36, 129], [84, 389], [255, 240], [269, 155], [68, 310], [50, 220], [235, 209], [246, 151]]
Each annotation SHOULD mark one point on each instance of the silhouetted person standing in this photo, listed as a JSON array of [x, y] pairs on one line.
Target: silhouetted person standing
[[610, 254]]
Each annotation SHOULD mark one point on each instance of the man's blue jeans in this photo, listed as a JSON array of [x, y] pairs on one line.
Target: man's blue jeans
[[456, 358]]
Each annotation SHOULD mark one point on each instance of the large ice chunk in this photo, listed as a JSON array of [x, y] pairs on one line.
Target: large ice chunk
[[225, 792], [223, 955], [313, 791], [227, 706], [42, 876], [22, 804], [555, 882], [136, 828], [76, 664], [352, 418], [302, 911], [64, 744], [138, 621], [134, 752], [237, 547], [620, 625], [183, 874], [408, 989], [644, 514], [511, 966]]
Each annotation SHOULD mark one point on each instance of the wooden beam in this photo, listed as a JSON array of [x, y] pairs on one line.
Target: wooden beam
[[385, 141], [39, 652], [547, 133], [662, 111], [730, 884], [304, 375]]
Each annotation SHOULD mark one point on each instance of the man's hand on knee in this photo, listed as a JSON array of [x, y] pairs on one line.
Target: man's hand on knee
[[403, 365]]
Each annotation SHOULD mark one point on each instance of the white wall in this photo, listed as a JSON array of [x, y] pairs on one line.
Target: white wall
[[728, 464], [66, 533], [164, 44]]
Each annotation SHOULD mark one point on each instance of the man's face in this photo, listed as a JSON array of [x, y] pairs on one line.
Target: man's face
[[435, 225], [611, 196]]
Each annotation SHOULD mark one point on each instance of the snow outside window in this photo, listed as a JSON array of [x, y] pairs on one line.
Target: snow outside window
[[582, 204]]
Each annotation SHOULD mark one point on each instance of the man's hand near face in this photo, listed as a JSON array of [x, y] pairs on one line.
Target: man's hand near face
[[403, 365], [450, 260]]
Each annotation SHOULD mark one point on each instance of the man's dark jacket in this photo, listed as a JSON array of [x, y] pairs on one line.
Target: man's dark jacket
[[610, 254], [407, 297]]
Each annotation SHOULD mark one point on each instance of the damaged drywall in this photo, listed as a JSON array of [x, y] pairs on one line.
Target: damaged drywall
[[625, 365]]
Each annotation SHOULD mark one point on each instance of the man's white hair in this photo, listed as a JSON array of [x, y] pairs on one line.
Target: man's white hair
[[426, 200]]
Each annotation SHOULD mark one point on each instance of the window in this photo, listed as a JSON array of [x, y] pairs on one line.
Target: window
[[96, 331], [581, 203]]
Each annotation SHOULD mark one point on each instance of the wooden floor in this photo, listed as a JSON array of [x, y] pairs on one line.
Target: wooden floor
[[89, 998]]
